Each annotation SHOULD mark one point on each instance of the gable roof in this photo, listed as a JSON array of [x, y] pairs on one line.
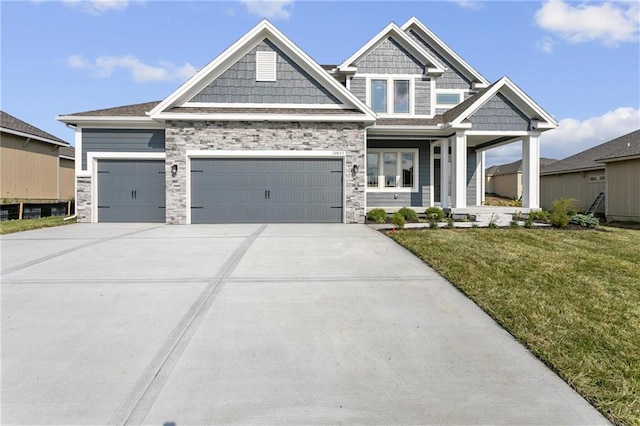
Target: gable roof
[[166, 109], [445, 51], [540, 119], [392, 30], [515, 167], [13, 125], [594, 158]]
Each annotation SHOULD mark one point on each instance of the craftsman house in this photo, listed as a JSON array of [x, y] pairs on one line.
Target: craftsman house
[[265, 134]]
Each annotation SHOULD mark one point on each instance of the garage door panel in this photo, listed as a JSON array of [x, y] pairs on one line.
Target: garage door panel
[[258, 190], [131, 191]]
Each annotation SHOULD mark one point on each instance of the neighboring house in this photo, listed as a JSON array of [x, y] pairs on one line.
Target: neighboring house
[[265, 134], [505, 180], [612, 167], [35, 166]]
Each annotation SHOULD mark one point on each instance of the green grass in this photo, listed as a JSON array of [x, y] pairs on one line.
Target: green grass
[[571, 297], [11, 226]]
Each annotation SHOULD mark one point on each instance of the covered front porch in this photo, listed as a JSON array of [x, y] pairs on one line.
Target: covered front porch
[[446, 171]]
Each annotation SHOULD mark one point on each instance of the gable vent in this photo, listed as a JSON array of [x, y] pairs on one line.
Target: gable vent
[[265, 66]]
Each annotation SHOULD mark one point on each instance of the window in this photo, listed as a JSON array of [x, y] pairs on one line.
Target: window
[[266, 66], [392, 170], [372, 169], [401, 96], [388, 95], [448, 98], [379, 95]]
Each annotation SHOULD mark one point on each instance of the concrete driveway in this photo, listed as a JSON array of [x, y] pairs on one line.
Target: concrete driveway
[[278, 324]]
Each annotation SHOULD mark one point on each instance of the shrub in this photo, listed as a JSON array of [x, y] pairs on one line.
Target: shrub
[[514, 224], [398, 220], [433, 224], [585, 220], [528, 222], [450, 223], [434, 213], [377, 215], [540, 215], [408, 214], [561, 212]]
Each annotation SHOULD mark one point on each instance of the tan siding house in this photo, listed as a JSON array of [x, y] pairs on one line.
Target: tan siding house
[[34, 165], [612, 167], [505, 180]]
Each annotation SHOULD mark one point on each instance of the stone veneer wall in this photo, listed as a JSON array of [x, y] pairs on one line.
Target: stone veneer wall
[[257, 136], [83, 199]]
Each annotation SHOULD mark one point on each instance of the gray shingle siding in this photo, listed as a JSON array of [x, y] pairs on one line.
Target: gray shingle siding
[[451, 78], [121, 140], [389, 58], [423, 95], [405, 199], [499, 114], [359, 88], [238, 84]]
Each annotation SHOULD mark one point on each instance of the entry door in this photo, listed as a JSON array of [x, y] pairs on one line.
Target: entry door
[[266, 190], [131, 191]]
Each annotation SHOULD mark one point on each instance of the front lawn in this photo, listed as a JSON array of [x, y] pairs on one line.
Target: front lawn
[[571, 297], [11, 226]]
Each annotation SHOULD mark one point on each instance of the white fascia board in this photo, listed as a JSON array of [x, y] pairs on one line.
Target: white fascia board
[[112, 122], [266, 117], [445, 50], [392, 30], [66, 157], [522, 97], [265, 105], [227, 58], [34, 137], [203, 153]]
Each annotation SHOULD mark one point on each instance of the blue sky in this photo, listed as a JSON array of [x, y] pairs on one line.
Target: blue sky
[[579, 61]]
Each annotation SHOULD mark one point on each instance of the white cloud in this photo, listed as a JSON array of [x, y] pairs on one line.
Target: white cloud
[[468, 4], [97, 7], [609, 23], [270, 9], [546, 45], [573, 136], [105, 66]]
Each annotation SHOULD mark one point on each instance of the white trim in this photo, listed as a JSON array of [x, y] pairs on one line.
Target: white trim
[[78, 153], [92, 166], [32, 136], [233, 53], [459, 92], [443, 49], [265, 105], [531, 172], [398, 151], [459, 172], [392, 30], [445, 173], [267, 117], [266, 66], [432, 157], [195, 153], [87, 120], [66, 157], [514, 133]]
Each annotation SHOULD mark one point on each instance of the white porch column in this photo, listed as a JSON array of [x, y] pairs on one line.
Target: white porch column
[[444, 173], [479, 178], [531, 171], [459, 172]]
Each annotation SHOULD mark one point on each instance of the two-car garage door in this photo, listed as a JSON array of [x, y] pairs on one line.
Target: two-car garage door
[[226, 190], [266, 190]]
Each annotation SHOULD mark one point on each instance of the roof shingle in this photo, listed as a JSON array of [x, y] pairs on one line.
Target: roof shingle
[[10, 122]]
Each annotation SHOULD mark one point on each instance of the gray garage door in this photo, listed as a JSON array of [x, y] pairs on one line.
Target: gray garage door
[[259, 190], [131, 191]]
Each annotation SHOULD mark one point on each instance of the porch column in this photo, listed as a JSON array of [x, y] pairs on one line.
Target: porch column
[[459, 172], [444, 173], [480, 178], [531, 171]]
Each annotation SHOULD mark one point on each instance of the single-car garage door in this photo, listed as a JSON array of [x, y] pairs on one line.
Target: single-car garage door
[[266, 190], [131, 191]]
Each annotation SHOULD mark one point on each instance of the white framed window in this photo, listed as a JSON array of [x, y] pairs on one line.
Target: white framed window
[[392, 170], [266, 66], [448, 98], [390, 95]]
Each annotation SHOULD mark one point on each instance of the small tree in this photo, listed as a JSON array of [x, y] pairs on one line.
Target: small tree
[[561, 212]]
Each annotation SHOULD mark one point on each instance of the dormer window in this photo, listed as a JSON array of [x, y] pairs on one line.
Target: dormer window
[[390, 95]]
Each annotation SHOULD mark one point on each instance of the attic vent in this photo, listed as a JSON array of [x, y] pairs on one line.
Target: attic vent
[[265, 66]]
